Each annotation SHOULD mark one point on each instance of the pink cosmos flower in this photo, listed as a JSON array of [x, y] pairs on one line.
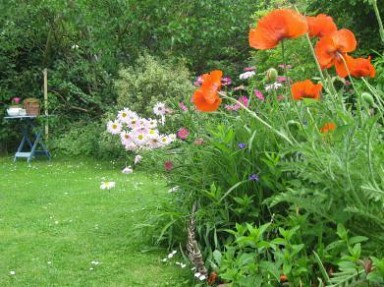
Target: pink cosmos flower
[[182, 133], [198, 81], [248, 69], [183, 107], [244, 100], [259, 95], [226, 81]]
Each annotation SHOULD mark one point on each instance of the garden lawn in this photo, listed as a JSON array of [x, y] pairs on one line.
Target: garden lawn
[[58, 228]]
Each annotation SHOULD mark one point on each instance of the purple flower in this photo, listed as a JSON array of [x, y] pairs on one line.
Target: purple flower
[[242, 145], [226, 81], [253, 177]]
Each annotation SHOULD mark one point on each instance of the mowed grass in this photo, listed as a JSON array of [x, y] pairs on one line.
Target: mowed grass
[[58, 228]]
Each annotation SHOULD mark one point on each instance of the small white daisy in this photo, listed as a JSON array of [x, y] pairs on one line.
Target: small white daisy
[[159, 109], [107, 185], [247, 75], [123, 115], [274, 86], [114, 127]]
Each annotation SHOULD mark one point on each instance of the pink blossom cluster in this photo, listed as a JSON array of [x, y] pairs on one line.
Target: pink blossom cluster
[[138, 133]]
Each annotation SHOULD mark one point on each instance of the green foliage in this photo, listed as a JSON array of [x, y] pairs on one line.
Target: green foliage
[[89, 139], [356, 15], [258, 256], [150, 81]]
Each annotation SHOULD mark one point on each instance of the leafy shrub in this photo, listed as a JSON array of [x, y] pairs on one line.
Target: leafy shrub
[[150, 81]]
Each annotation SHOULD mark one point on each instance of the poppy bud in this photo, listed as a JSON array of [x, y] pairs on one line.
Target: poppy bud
[[272, 75], [367, 98]]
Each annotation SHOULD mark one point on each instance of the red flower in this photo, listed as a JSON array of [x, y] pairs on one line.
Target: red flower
[[275, 27], [332, 50], [328, 127], [306, 89], [321, 25], [206, 98], [168, 165]]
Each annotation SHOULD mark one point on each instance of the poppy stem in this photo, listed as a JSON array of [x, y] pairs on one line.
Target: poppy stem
[[377, 13], [326, 87], [253, 114], [358, 100], [288, 86]]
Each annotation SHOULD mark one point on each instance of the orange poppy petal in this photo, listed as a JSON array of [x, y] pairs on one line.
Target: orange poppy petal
[[342, 67], [321, 25], [306, 89], [344, 40], [324, 51], [260, 39], [204, 102], [361, 67], [276, 26]]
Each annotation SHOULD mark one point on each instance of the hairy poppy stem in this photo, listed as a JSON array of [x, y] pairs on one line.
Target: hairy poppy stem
[[253, 114], [358, 102], [377, 13]]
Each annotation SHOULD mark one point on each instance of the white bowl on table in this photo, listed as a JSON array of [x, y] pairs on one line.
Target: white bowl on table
[[13, 111]]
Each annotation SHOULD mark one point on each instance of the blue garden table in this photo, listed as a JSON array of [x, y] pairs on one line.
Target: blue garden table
[[32, 142]]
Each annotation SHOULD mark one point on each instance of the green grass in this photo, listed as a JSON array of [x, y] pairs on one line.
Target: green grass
[[58, 228]]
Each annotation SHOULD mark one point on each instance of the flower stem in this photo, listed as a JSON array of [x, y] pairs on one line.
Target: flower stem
[[377, 13], [253, 114]]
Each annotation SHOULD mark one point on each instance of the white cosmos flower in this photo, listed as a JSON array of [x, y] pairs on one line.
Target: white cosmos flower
[[114, 127], [154, 142], [164, 140], [247, 75], [152, 124], [123, 115], [107, 185], [159, 109], [172, 137], [274, 86], [140, 138], [152, 133], [131, 146], [132, 123]]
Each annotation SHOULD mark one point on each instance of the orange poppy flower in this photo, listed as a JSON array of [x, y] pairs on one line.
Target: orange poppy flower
[[320, 25], [306, 89], [360, 67], [331, 50], [328, 127], [206, 98], [276, 26]]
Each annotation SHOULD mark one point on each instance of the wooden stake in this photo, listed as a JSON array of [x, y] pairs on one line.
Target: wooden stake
[[45, 72]]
